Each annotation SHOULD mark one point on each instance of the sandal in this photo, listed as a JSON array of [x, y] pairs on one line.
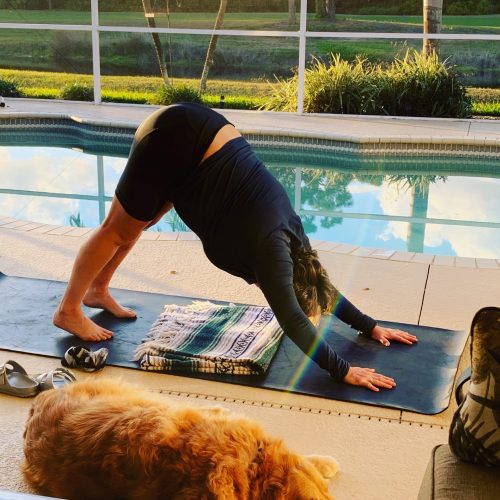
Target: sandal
[[55, 379], [81, 357], [475, 429], [15, 381]]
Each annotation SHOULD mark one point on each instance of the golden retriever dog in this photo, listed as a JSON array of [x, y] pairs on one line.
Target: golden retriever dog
[[110, 440]]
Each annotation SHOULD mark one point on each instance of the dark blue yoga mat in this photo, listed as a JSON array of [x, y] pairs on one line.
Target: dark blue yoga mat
[[424, 372]]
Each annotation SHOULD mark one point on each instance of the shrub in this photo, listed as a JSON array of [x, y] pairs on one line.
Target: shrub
[[77, 92], [415, 85], [466, 7], [170, 94], [234, 102], [8, 88], [340, 87], [486, 108], [40, 92], [419, 85]]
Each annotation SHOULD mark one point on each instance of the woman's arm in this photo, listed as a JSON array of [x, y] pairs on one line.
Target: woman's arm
[[348, 313], [274, 273]]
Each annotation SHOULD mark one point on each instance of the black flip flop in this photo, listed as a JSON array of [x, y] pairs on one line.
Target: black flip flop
[[81, 357]]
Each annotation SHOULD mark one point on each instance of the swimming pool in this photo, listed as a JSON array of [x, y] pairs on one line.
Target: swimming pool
[[431, 203]]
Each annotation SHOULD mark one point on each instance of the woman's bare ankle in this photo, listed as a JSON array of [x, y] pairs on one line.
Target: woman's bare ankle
[[67, 310], [75, 322]]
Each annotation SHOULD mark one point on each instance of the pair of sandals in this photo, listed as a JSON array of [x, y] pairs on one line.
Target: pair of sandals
[[15, 381], [475, 429]]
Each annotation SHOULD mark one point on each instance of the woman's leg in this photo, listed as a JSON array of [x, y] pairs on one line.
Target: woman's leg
[[98, 293], [112, 240]]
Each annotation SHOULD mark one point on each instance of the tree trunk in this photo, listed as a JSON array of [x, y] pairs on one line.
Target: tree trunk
[[209, 60], [149, 14], [291, 11], [326, 9], [331, 9], [433, 11], [416, 230]]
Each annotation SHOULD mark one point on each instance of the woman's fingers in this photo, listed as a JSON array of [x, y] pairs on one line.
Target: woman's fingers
[[368, 377], [374, 380], [383, 381], [400, 336], [376, 383], [406, 337], [385, 384]]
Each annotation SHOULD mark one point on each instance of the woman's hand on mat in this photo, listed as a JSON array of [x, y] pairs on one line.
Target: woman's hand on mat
[[383, 335], [368, 377]]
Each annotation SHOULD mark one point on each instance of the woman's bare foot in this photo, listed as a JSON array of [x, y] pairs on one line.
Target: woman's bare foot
[[103, 300], [78, 324]]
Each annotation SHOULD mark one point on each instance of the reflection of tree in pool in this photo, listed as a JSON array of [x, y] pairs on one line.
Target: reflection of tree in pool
[[175, 222], [327, 190], [75, 220], [321, 189], [418, 185], [373, 179]]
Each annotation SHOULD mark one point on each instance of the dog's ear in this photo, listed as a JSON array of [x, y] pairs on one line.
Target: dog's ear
[[327, 466]]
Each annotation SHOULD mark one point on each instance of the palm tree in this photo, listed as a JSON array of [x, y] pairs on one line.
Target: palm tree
[[419, 186], [175, 222], [209, 60], [433, 10], [75, 220], [150, 17]]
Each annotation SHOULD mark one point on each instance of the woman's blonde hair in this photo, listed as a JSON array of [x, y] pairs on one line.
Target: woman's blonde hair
[[311, 283]]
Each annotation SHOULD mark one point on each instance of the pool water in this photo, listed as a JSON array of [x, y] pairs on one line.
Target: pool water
[[442, 206]]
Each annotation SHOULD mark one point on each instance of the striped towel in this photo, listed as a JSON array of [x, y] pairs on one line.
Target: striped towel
[[211, 338]]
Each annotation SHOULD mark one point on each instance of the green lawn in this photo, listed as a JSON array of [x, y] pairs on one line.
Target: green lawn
[[56, 81], [238, 94], [486, 23], [244, 20], [240, 63], [195, 20], [136, 89]]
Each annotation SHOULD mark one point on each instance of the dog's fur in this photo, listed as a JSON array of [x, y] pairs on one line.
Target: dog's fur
[[109, 440]]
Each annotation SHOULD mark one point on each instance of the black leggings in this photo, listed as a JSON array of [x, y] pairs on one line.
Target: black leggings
[[168, 146]]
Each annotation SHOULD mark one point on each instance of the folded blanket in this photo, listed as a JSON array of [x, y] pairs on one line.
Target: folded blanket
[[211, 338]]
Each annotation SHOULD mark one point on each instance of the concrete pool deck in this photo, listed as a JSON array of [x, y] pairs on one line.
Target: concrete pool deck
[[345, 126], [383, 452]]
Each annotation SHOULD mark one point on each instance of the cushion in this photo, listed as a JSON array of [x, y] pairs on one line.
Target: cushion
[[448, 478]]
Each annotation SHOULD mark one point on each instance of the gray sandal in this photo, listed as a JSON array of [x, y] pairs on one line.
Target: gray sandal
[[55, 379], [16, 382]]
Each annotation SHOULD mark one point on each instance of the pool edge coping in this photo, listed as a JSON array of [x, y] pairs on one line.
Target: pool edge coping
[[361, 139]]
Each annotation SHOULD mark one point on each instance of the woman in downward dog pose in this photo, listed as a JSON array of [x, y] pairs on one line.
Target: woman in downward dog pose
[[190, 157]]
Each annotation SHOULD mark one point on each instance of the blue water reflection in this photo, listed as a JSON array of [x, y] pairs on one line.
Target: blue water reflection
[[452, 209]]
